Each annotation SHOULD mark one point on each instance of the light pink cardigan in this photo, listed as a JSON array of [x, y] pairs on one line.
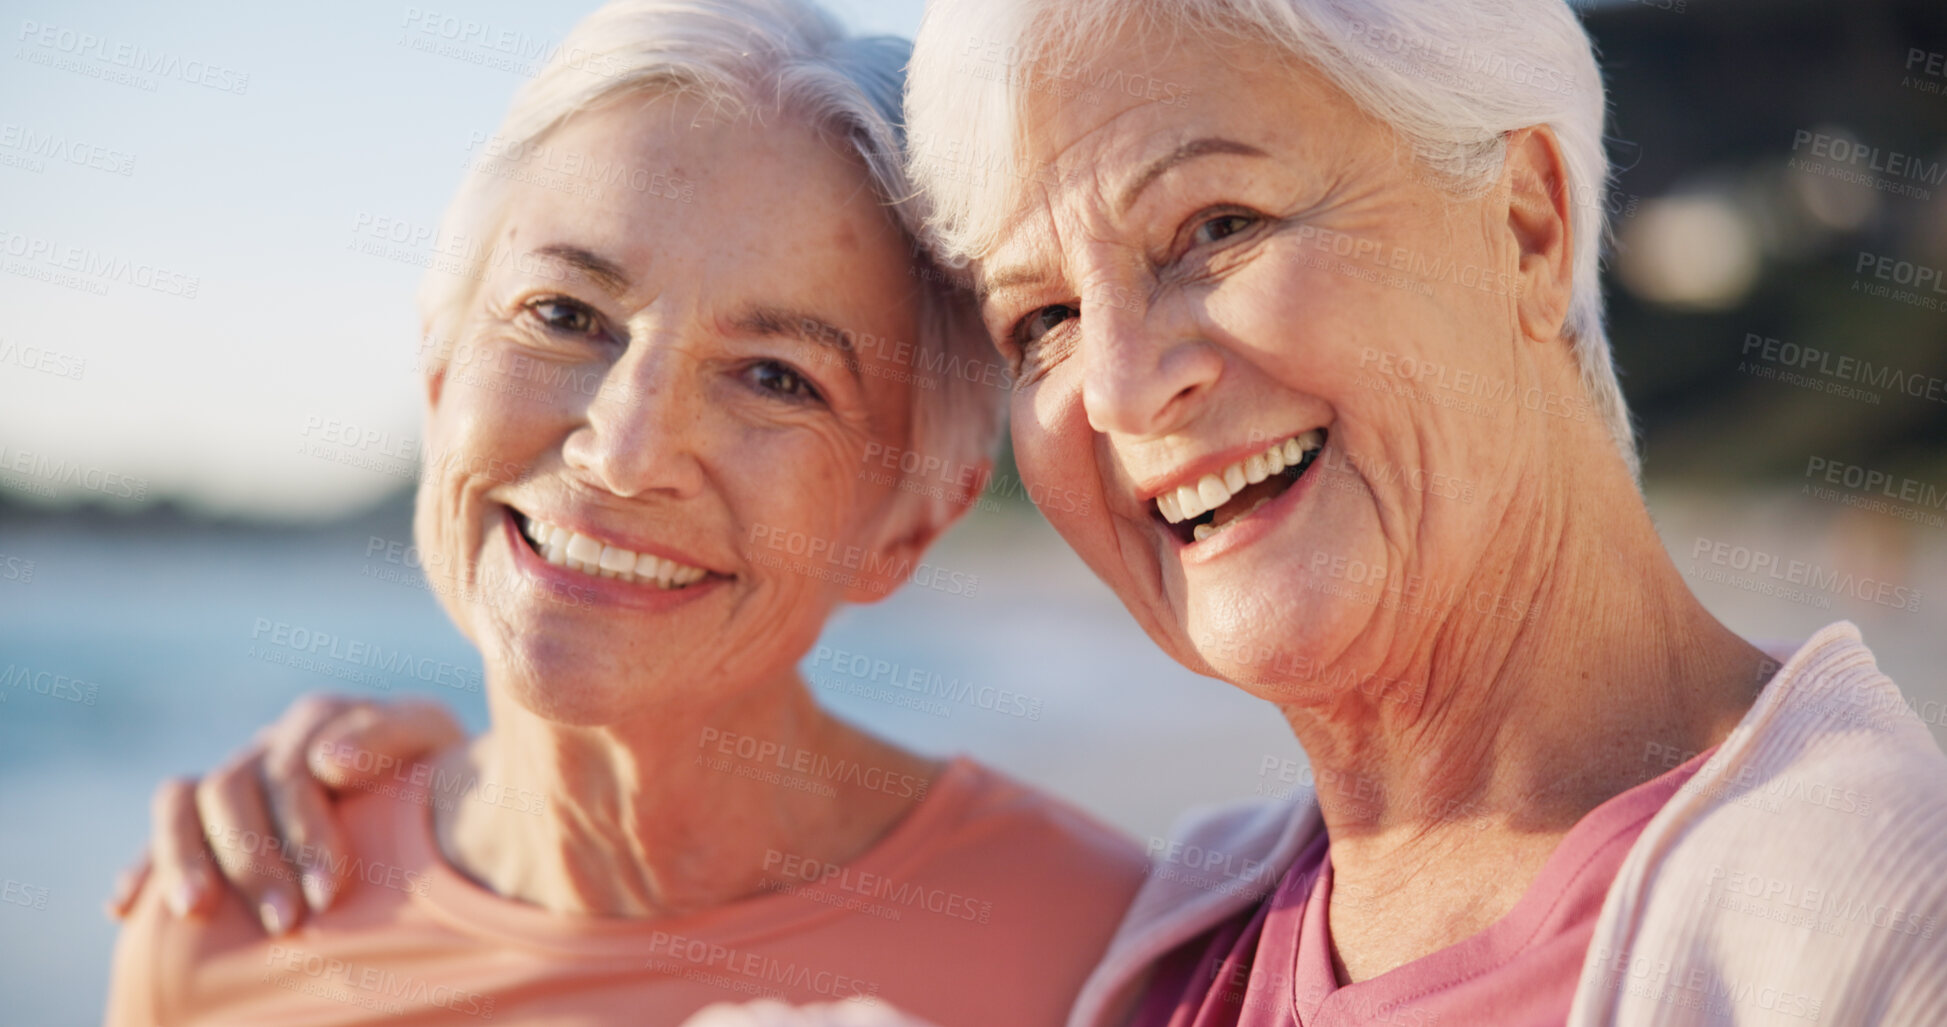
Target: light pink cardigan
[[1799, 878]]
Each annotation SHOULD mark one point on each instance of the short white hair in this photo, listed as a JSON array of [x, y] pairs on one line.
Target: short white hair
[[750, 58], [1452, 77]]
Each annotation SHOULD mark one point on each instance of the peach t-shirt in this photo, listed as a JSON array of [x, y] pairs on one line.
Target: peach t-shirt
[[987, 905]]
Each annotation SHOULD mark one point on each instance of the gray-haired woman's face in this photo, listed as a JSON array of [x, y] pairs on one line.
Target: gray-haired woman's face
[[1202, 294], [644, 457]]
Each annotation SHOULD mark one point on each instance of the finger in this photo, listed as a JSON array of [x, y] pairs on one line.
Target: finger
[[367, 744], [179, 861], [128, 884], [245, 843], [303, 816]]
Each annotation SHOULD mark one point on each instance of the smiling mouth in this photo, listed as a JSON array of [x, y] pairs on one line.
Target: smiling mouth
[[1196, 512], [577, 552]]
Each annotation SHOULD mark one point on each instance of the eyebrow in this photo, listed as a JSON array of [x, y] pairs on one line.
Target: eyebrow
[[1189, 151], [1209, 146], [604, 271], [805, 327], [988, 285]]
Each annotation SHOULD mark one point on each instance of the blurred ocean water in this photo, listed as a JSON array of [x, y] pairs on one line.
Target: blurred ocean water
[[137, 650]]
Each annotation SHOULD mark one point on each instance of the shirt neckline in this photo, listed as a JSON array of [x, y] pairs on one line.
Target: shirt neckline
[[463, 905], [1623, 814]]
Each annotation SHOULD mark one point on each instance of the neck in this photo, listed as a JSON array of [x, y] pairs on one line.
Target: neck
[[677, 812], [1586, 663]]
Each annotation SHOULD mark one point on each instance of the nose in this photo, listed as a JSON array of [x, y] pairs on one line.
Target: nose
[[1145, 371], [639, 434]]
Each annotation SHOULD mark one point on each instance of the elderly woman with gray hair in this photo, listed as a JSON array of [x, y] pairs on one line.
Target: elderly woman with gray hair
[[1547, 786], [654, 366], [1302, 295]]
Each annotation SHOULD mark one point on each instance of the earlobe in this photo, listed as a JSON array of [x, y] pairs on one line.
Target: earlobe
[[1542, 230], [915, 521]]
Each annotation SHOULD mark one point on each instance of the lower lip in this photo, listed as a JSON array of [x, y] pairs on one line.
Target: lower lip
[[1248, 529], [572, 587]]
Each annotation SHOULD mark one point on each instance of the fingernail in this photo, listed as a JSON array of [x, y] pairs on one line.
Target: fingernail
[[182, 898], [319, 888], [275, 911]]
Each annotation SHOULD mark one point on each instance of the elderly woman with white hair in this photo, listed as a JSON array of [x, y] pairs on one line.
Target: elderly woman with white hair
[[661, 816], [1302, 296]]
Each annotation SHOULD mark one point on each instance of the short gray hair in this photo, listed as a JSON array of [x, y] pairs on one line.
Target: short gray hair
[[1452, 77], [750, 58]]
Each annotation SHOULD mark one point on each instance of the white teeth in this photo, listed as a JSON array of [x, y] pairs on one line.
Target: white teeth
[[1211, 491], [1188, 503], [1199, 532], [565, 548]]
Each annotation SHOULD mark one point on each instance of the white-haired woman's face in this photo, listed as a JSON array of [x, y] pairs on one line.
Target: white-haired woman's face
[[1262, 269], [663, 358]]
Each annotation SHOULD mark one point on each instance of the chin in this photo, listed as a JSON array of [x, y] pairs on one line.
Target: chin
[[1278, 639]]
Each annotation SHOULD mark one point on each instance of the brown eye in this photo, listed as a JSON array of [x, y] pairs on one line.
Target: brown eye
[[1221, 227], [771, 376], [1041, 322], [563, 315]]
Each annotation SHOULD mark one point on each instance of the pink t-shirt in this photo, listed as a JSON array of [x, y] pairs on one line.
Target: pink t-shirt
[[1271, 966], [988, 904]]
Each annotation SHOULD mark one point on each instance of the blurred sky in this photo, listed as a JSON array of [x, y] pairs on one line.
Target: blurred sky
[[255, 196]]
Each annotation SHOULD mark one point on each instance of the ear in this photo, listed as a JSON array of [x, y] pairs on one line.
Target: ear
[[1539, 224], [919, 514]]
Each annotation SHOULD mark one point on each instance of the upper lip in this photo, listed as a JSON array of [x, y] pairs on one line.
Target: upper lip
[[580, 525], [1212, 463]]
